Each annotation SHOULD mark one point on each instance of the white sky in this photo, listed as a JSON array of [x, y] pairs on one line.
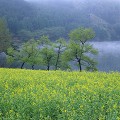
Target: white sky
[[68, 0]]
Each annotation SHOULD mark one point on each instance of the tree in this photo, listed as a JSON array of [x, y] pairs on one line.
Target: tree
[[34, 52], [79, 50], [60, 46], [5, 36], [43, 41], [48, 54], [27, 53], [46, 51]]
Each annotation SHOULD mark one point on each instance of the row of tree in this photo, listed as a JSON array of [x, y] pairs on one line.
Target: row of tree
[[58, 55]]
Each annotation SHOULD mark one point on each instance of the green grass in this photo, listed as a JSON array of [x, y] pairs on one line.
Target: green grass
[[58, 95]]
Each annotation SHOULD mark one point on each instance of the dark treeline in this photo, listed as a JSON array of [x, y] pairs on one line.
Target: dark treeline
[[28, 20]]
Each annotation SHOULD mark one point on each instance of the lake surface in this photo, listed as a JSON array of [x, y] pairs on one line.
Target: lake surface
[[109, 55]]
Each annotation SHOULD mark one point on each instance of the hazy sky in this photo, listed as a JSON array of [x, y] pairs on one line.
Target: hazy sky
[[75, 2], [71, 0], [54, 0], [50, 0]]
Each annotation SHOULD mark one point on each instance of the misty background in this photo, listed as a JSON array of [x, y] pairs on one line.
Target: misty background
[[56, 18]]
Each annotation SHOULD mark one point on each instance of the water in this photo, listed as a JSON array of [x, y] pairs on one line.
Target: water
[[109, 55]]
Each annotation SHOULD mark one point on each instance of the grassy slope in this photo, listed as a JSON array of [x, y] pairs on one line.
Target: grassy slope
[[50, 95]]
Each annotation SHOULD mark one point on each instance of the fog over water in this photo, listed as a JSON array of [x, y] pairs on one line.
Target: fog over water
[[109, 55]]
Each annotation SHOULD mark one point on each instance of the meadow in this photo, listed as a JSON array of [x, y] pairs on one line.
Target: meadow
[[59, 95]]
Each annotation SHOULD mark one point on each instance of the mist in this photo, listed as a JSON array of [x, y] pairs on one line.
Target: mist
[[109, 55], [70, 0], [73, 0]]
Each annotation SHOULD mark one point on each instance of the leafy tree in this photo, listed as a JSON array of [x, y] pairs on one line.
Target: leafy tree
[[48, 54], [11, 55], [33, 52], [27, 53], [79, 50], [59, 46], [5, 36], [44, 41]]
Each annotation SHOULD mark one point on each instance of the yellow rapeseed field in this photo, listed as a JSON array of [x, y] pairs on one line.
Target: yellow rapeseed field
[[59, 95]]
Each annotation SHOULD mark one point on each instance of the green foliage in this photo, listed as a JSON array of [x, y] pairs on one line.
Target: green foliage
[[5, 36], [59, 95], [44, 41], [79, 50], [27, 50], [47, 57], [82, 35], [27, 53], [30, 49], [46, 51], [60, 46], [58, 55], [10, 55]]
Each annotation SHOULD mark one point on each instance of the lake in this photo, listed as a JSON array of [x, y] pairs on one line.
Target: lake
[[109, 55]]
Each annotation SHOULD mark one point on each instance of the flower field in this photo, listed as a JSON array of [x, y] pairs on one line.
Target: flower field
[[59, 95]]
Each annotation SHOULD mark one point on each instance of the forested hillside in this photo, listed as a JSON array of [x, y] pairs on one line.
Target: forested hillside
[[28, 20]]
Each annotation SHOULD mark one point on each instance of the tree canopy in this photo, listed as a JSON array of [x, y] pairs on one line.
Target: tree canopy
[[5, 36]]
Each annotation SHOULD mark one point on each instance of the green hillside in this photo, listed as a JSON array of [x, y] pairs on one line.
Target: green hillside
[[28, 20], [59, 95]]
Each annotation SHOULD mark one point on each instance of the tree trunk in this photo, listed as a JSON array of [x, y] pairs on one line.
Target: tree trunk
[[80, 66], [48, 67], [22, 65], [56, 65], [32, 67]]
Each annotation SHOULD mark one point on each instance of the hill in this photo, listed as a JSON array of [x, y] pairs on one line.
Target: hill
[[57, 18]]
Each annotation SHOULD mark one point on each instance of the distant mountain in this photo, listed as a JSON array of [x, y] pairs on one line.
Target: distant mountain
[[105, 18], [57, 18], [102, 15], [15, 12]]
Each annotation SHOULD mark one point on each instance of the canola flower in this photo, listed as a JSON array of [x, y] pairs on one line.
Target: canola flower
[[59, 95]]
